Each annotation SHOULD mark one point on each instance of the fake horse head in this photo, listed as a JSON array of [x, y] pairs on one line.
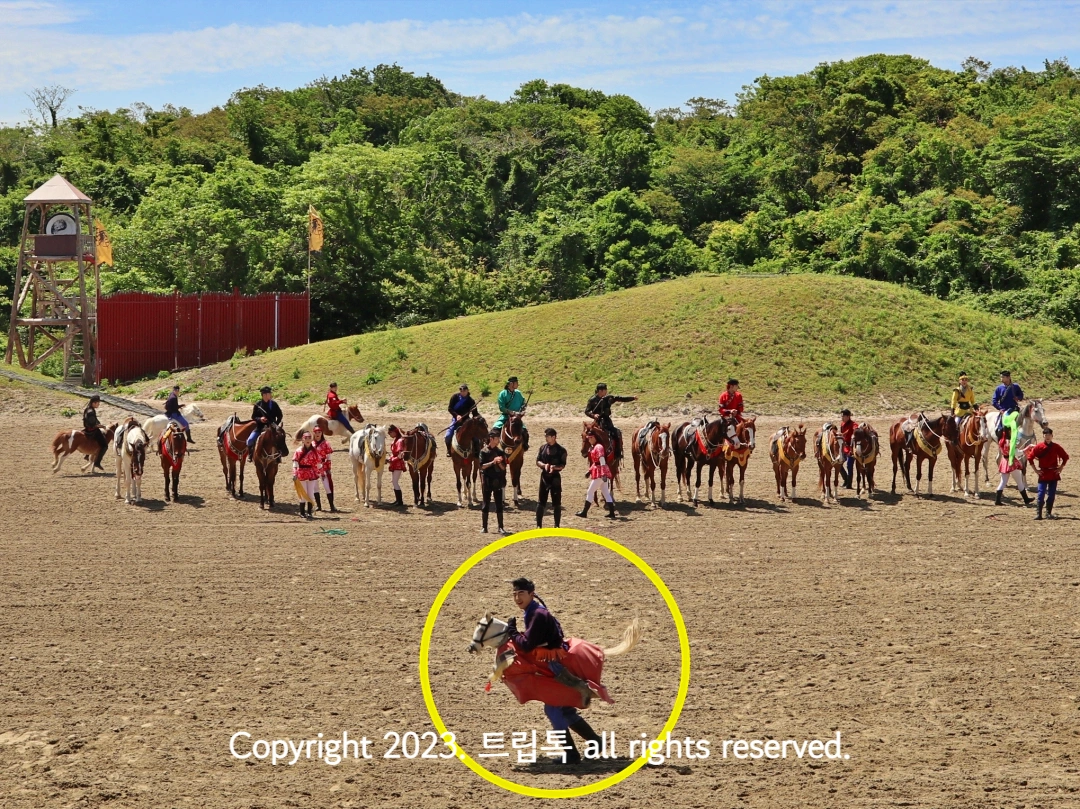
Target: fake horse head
[[490, 631]]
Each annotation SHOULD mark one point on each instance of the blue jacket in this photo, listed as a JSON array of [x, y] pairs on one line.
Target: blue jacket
[[1008, 397]]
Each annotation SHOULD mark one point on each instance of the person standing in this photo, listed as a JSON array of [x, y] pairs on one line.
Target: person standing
[[551, 460], [172, 410], [397, 462], [493, 474], [265, 412], [92, 429], [847, 431], [599, 408], [1050, 458], [305, 464], [599, 474], [333, 408], [461, 405], [322, 446], [1010, 466], [511, 401]]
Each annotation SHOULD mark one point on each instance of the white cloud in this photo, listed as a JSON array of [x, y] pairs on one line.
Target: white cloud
[[22, 13]]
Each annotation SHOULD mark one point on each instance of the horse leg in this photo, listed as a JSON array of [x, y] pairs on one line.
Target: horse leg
[[794, 477], [355, 478], [742, 481], [663, 481], [930, 463], [176, 485], [978, 454], [378, 484], [166, 485], [243, 463]]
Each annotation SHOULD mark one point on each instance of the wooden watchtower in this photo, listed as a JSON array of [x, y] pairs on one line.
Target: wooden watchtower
[[53, 310]]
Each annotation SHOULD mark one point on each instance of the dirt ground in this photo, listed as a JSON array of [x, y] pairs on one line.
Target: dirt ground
[[941, 638]]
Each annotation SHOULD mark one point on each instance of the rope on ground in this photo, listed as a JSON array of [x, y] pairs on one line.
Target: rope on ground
[[75, 390]]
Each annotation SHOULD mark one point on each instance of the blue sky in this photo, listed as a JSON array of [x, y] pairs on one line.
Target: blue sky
[[195, 54]]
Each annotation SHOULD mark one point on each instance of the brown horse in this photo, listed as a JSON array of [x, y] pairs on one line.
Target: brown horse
[[701, 442], [738, 457], [964, 443], [924, 445], [232, 439], [651, 450], [70, 442], [787, 449], [472, 431], [420, 459], [270, 447], [864, 449], [172, 447], [604, 440], [829, 454], [511, 442]]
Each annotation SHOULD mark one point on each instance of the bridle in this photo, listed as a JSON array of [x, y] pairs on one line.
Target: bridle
[[480, 633]]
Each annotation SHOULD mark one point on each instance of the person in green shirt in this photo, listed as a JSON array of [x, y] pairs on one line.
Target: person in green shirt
[[511, 401]]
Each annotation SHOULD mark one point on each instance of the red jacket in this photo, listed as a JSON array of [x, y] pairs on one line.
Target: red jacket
[[598, 467], [333, 405], [397, 456], [731, 401], [306, 463], [325, 451], [846, 432], [1050, 459]]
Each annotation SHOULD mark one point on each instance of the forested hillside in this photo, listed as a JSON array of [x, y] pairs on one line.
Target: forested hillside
[[965, 185]]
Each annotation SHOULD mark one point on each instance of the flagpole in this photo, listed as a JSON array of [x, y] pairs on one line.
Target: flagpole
[[309, 290]]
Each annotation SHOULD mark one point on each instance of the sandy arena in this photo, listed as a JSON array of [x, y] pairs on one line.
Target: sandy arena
[[941, 638]]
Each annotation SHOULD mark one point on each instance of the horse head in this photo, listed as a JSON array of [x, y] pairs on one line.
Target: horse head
[[354, 414], [588, 429], [490, 631], [798, 441], [135, 442], [375, 439], [663, 436], [746, 432], [193, 410], [1037, 412]]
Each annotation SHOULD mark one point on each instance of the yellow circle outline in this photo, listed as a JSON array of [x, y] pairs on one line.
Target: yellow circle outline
[[570, 533]]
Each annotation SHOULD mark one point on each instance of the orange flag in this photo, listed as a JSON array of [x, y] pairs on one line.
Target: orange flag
[[102, 245], [315, 230]]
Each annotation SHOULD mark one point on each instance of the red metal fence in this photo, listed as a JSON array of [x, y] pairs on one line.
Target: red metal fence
[[140, 334]]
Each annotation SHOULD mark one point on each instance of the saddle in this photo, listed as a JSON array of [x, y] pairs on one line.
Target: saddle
[[643, 436], [118, 437]]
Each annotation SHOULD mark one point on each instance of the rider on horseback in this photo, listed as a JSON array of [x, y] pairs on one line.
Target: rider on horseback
[[265, 412], [511, 401], [731, 406], [333, 408], [599, 408], [461, 405], [963, 400], [92, 428], [543, 636], [172, 410]]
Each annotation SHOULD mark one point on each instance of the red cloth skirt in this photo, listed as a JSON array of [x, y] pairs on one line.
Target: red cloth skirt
[[529, 678]]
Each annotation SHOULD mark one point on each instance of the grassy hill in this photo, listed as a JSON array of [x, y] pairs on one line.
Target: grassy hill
[[805, 343]]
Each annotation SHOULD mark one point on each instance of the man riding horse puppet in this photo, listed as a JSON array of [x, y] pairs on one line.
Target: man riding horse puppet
[[599, 408]]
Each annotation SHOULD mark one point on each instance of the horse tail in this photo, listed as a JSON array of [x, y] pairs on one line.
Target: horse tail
[[631, 636], [300, 433]]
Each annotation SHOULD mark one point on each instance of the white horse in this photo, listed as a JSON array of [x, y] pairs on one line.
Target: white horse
[[1031, 413], [130, 449], [155, 425], [367, 451], [330, 426]]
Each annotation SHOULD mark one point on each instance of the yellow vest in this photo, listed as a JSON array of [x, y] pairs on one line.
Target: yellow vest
[[963, 402]]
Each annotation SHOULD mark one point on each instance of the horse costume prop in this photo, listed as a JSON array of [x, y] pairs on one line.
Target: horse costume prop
[[420, 455], [512, 442], [864, 449], [738, 456], [651, 449], [70, 442], [529, 678], [964, 443], [130, 444], [156, 425], [829, 454], [171, 447], [464, 442], [368, 454], [701, 442], [787, 449], [270, 447], [330, 426], [232, 439]]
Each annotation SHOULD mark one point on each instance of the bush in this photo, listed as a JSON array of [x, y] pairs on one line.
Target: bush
[[485, 389], [163, 374], [383, 402]]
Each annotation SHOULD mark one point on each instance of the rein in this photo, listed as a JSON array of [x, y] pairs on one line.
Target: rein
[[831, 458]]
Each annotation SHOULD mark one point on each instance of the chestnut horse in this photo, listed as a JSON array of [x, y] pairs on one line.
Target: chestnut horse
[[512, 443], [651, 449], [172, 447], [604, 440], [964, 443], [864, 449], [738, 457], [420, 458], [829, 454], [270, 447], [471, 432], [232, 439], [925, 445], [787, 449], [701, 442], [69, 442]]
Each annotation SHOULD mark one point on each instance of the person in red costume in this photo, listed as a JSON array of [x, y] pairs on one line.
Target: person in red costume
[[731, 402], [847, 430], [1050, 457], [333, 408]]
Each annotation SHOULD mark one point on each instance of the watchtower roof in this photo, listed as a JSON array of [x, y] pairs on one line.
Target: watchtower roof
[[57, 190]]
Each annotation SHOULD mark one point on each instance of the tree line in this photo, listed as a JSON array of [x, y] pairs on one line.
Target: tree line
[[963, 184]]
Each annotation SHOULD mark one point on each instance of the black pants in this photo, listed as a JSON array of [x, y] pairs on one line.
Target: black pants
[[554, 488], [103, 445], [497, 494]]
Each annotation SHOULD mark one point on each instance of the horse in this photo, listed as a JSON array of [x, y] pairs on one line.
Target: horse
[[172, 447], [130, 449], [1031, 413], [964, 442], [738, 456], [528, 678], [420, 459], [606, 441], [651, 449], [700, 442], [270, 447], [232, 439], [331, 426], [471, 430], [155, 425], [787, 449], [925, 444], [829, 453], [511, 442], [367, 452], [864, 449], [69, 442]]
